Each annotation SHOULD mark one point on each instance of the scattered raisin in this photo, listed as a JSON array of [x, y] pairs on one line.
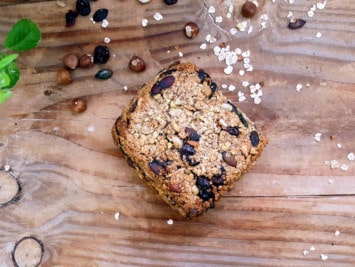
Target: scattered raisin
[[192, 134], [254, 138], [205, 188], [83, 7], [214, 88], [296, 23], [101, 54], [100, 15], [70, 18], [232, 130], [170, 2], [164, 83], [217, 180], [187, 150]]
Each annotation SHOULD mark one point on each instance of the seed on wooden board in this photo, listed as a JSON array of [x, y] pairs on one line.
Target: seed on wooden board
[[79, 105], [71, 61], [83, 7], [100, 14], [104, 74], [254, 138], [70, 18], [296, 23], [86, 61], [101, 54], [170, 2]]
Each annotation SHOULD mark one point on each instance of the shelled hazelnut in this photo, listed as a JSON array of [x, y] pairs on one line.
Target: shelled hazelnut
[[71, 61], [86, 61], [78, 105], [249, 9], [191, 29], [136, 64], [64, 76]]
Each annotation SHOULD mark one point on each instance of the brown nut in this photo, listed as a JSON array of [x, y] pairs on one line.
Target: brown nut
[[79, 105], [136, 64], [64, 76], [191, 29], [71, 61], [249, 9], [86, 61]]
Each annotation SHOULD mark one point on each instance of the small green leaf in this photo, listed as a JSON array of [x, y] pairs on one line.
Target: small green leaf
[[13, 73], [7, 60], [5, 94], [23, 36], [4, 80]]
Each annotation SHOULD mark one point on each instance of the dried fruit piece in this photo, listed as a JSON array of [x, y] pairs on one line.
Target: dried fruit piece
[[104, 74], [191, 29], [170, 2], [70, 18], [214, 88], [192, 134], [204, 187], [249, 9], [101, 54], [158, 167], [164, 83], [232, 130], [64, 77], [136, 64], [296, 23], [83, 7], [100, 15], [254, 138]]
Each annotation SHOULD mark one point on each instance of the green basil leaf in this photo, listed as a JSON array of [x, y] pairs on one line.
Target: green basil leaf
[[4, 61], [5, 94], [12, 71], [23, 36], [4, 80]]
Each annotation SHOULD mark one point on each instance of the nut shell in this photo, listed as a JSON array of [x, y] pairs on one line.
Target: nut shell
[[64, 77], [86, 61], [136, 64], [249, 9]]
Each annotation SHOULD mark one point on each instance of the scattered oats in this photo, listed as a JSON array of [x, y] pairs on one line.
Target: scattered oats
[[7, 168], [317, 136], [245, 83], [181, 54], [291, 1], [144, 22], [246, 60], [257, 100], [327, 163], [229, 15], [91, 128], [313, 8], [318, 34], [321, 5], [250, 68], [339, 145], [330, 181], [228, 69], [241, 26], [308, 85], [312, 248], [104, 23], [203, 46], [246, 53], [107, 40], [337, 233], [250, 30], [273, 1], [60, 3], [144, 1], [125, 87], [230, 8], [323, 84], [224, 86], [252, 88], [210, 39], [305, 252], [290, 14], [211, 9], [310, 13], [231, 87], [241, 96], [344, 167], [170, 221], [323, 257], [117, 216], [334, 164], [157, 16], [299, 87], [233, 31], [241, 72], [351, 156], [218, 19]]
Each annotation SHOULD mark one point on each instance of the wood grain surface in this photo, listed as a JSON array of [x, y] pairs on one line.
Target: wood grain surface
[[88, 208]]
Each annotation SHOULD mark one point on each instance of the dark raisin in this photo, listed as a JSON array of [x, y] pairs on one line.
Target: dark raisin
[[170, 2], [217, 180], [133, 106], [70, 18], [187, 150], [230, 160], [204, 187], [232, 130], [101, 54], [296, 24], [192, 162], [104, 74], [164, 83], [203, 76], [83, 7], [100, 15], [130, 162], [254, 138], [167, 72], [158, 167], [192, 134], [214, 88], [240, 115]]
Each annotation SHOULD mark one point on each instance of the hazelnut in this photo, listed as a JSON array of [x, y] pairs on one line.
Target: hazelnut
[[71, 61], [191, 29], [249, 9], [78, 105], [86, 61], [64, 76], [136, 64]]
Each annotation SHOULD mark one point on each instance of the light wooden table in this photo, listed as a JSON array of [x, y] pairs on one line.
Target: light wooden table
[[75, 183]]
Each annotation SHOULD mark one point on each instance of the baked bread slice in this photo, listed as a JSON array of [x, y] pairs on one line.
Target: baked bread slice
[[186, 140]]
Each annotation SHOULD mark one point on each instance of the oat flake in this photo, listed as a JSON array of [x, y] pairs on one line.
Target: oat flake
[[170, 221], [323, 257], [351, 156]]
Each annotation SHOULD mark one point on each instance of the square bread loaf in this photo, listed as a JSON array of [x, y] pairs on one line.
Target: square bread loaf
[[186, 140]]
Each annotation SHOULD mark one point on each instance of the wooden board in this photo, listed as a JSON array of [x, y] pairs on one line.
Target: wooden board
[[75, 183]]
